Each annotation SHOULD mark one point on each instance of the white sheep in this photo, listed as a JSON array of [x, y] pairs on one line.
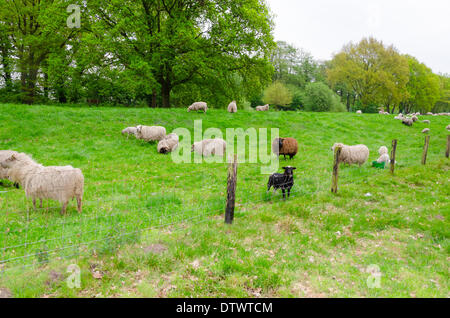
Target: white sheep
[[232, 107], [129, 131], [5, 154], [262, 108], [198, 106], [150, 133], [357, 154], [448, 127], [18, 171], [414, 118], [56, 183], [168, 144], [359, 112], [209, 147], [384, 156], [426, 121], [426, 131]]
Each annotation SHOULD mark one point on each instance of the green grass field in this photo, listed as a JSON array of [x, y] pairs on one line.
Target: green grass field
[[154, 228]]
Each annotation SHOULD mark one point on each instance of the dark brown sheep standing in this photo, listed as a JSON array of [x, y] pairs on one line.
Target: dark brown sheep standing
[[285, 147]]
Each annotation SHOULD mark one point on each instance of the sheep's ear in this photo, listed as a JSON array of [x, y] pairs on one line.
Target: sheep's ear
[[294, 168], [13, 157], [284, 168]]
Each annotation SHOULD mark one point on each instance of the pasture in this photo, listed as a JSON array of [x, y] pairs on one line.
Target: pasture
[[154, 228]]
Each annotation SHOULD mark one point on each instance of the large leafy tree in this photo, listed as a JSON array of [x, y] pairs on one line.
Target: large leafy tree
[[372, 72], [35, 29], [423, 88], [170, 43]]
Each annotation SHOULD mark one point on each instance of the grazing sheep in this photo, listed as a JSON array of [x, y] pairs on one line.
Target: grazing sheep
[[357, 154], [448, 127], [426, 122], [414, 118], [429, 113], [407, 122], [198, 106], [168, 144], [150, 133], [129, 131], [283, 181], [359, 111], [384, 156], [285, 147], [209, 147], [56, 183], [17, 172], [232, 107], [426, 131], [5, 154], [262, 108]]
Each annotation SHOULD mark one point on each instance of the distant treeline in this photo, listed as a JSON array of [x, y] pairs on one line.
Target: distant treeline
[[170, 53]]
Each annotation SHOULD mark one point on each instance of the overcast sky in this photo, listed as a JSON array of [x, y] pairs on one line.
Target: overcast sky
[[418, 27]]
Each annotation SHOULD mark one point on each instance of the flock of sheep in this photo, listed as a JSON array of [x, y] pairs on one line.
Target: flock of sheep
[[64, 183]]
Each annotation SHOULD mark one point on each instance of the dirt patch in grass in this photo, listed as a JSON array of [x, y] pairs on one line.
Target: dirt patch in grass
[[5, 293], [54, 277], [155, 248]]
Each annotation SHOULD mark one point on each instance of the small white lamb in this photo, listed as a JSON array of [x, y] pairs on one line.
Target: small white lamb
[[384, 157]]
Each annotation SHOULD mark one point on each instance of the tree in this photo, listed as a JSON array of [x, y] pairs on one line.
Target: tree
[[293, 66], [372, 72], [443, 104], [277, 94], [423, 88], [35, 28], [175, 42]]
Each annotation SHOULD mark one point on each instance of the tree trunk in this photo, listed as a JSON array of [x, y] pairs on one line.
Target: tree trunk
[[165, 93]]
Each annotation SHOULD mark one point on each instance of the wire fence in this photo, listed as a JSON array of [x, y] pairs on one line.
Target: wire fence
[[126, 210], [120, 212]]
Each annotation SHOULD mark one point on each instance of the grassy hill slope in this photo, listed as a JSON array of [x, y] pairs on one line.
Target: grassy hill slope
[[314, 244]]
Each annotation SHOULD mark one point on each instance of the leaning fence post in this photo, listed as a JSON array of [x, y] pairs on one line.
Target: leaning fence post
[[393, 152], [425, 150], [231, 190], [447, 152], [334, 185]]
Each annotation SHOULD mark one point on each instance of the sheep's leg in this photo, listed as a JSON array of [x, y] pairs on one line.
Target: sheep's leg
[[40, 203], [79, 204], [34, 204], [16, 185], [289, 192], [64, 208], [284, 194]]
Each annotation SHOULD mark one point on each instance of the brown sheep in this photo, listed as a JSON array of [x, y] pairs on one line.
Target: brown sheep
[[285, 147]]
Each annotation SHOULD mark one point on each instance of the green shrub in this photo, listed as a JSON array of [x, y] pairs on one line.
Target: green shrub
[[320, 98], [277, 94]]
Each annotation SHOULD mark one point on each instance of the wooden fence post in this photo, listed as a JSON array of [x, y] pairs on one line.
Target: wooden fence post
[[447, 152], [393, 153], [231, 190], [334, 185], [425, 150]]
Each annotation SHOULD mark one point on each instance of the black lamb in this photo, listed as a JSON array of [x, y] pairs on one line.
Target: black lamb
[[283, 181]]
